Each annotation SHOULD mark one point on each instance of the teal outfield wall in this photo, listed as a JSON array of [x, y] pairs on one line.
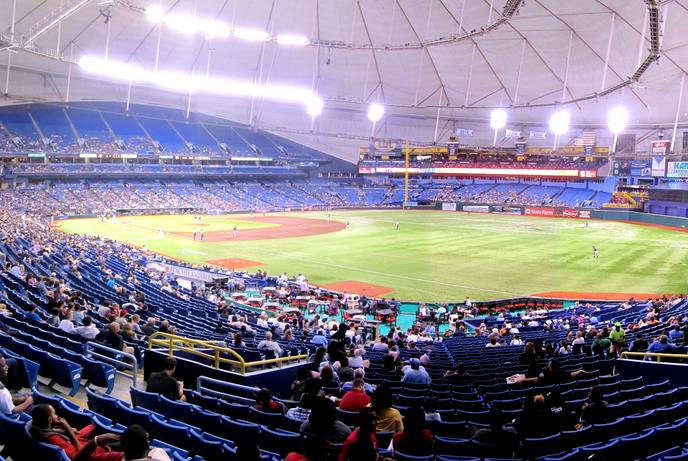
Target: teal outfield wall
[[640, 218]]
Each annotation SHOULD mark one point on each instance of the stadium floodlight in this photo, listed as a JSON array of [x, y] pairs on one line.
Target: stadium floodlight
[[559, 123], [498, 119], [375, 112], [314, 106], [292, 40], [249, 34], [186, 83], [155, 13], [617, 119]]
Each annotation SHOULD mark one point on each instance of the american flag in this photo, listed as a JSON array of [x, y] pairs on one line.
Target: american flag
[[586, 138]]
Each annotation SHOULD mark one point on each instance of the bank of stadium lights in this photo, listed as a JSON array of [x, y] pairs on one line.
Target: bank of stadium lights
[[559, 124], [186, 83], [375, 112], [617, 119], [188, 24], [497, 121]]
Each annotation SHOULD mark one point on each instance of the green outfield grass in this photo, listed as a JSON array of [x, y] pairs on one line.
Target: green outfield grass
[[185, 223], [443, 256]]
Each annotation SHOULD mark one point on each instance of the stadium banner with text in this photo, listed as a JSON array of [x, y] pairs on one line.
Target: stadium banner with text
[[513, 172], [448, 206], [513, 134], [659, 165], [425, 150], [464, 132], [539, 211], [477, 208], [538, 134], [677, 170], [384, 148], [506, 209], [660, 147], [588, 173], [639, 169], [581, 214]]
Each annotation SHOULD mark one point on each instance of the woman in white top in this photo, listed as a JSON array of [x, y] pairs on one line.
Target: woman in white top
[[563, 348], [580, 339], [516, 341]]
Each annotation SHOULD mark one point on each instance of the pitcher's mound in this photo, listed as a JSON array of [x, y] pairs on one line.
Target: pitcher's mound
[[359, 288], [235, 263]]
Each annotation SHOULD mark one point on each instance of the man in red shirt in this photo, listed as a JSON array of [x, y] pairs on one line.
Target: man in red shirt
[[356, 398], [413, 440], [364, 433], [47, 427]]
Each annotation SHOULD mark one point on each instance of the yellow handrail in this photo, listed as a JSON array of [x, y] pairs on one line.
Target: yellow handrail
[[180, 343], [653, 354]]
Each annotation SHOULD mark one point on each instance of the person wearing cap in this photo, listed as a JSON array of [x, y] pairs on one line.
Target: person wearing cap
[[357, 360], [416, 375], [617, 337]]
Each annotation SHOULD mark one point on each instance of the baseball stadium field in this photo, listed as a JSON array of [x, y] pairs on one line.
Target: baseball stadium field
[[433, 256]]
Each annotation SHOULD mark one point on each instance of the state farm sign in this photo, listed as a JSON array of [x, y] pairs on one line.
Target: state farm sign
[[539, 211]]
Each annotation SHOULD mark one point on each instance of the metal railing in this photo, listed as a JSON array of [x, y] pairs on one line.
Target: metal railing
[[180, 343], [653, 354], [201, 389], [118, 363]]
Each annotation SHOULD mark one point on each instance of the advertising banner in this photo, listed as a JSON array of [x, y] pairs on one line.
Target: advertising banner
[[448, 206], [588, 174], [362, 170], [639, 169], [677, 170], [513, 134], [464, 132], [582, 214], [538, 134], [520, 172], [539, 211], [477, 208], [384, 147], [659, 165], [505, 209], [660, 148]]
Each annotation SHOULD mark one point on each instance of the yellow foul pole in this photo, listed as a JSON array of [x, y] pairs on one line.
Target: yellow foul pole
[[406, 176]]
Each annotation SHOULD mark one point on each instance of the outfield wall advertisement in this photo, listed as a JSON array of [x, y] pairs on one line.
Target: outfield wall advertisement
[[448, 206], [477, 208], [506, 209], [581, 214], [539, 211]]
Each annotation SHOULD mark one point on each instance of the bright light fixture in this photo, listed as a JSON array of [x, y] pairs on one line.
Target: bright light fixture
[[617, 119], [314, 106], [559, 123], [155, 14], [292, 40], [186, 83], [375, 112], [498, 119], [249, 34]]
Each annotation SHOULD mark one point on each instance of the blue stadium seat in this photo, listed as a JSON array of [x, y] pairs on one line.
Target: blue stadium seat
[[535, 448], [128, 416], [74, 414], [171, 433], [207, 421], [172, 409], [636, 446], [675, 451], [102, 404], [271, 420], [279, 441], [450, 446], [208, 449], [490, 450], [171, 450], [14, 429], [147, 400], [402, 457], [240, 430], [65, 373]]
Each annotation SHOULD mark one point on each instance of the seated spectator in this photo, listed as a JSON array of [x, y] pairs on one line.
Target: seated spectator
[[639, 345], [303, 410], [149, 327], [54, 318], [238, 341], [266, 404], [381, 344], [413, 440], [416, 374], [270, 344], [298, 386], [661, 346], [516, 341], [164, 384], [431, 409], [87, 330], [47, 427], [110, 337], [319, 338], [595, 410], [357, 360], [32, 314], [601, 345], [344, 371], [497, 434], [536, 420], [315, 448], [135, 445], [388, 418], [356, 398], [12, 405], [365, 432], [128, 332], [323, 421], [359, 373], [458, 376]]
